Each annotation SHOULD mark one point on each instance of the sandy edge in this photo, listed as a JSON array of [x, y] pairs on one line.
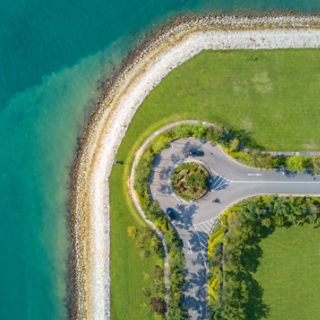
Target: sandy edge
[[89, 207]]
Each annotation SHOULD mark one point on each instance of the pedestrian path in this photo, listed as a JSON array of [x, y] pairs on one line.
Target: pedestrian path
[[203, 231], [219, 182]]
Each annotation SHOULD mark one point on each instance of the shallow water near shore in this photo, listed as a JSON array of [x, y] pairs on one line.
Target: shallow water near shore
[[53, 57]]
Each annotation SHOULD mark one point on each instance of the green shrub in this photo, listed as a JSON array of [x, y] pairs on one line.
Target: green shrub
[[183, 130], [295, 164], [132, 231], [199, 130], [196, 180], [234, 145], [160, 143]]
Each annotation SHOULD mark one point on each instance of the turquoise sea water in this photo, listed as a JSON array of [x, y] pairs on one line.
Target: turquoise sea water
[[52, 56]]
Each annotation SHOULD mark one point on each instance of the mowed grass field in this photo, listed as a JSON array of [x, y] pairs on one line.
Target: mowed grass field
[[129, 273], [289, 273], [271, 97]]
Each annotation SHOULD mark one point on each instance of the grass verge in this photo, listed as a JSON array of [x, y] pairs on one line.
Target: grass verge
[[288, 273]]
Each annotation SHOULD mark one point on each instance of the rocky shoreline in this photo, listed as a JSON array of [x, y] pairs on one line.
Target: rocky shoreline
[[144, 67]]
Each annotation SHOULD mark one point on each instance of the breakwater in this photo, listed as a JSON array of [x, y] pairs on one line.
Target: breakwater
[[143, 69]]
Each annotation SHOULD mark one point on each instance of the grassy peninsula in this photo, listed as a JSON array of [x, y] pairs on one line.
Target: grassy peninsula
[[267, 98]]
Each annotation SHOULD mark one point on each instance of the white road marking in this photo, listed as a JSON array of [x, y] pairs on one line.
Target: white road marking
[[279, 182], [190, 252], [254, 174], [220, 182]]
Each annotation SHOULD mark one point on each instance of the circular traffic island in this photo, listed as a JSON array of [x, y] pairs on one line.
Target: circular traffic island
[[190, 181]]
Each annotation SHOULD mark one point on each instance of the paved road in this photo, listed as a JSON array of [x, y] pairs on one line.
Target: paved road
[[229, 182]]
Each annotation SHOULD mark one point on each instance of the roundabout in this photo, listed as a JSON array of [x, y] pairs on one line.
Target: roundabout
[[229, 182]]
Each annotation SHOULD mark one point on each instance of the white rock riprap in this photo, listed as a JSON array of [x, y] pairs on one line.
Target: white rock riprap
[[131, 91]]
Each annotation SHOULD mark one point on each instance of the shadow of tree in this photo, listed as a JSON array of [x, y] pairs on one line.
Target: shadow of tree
[[185, 214], [195, 245], [245, 138], [254, 307]]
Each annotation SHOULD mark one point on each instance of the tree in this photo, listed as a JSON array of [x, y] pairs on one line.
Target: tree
[[178, 261], [132, 231], [199, 130], [315, 165], [176, 278], [295, 164], [159, 287], [141, 185], [234, 145], [158, 272], [176, 313], [140, 243], [155, 245], [152, 210], [172, 240], [146, 292], [183, 130], [143, 169], [195, 180], [148, 155], [159, 144], [266, 222], [144, 254], [146, 233], [158, 305]]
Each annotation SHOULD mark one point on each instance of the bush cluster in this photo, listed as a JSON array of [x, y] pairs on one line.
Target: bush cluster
[[190, 181], [230, 284]]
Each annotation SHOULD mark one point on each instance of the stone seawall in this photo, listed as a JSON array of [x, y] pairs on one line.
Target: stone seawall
[[141, 72]]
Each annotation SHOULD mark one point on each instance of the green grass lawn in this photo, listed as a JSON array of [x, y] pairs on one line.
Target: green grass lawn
[[270, 97], [129, 273], [289, 273]]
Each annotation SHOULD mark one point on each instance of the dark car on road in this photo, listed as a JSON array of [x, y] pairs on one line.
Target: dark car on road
[[196, 153], [170, 213]]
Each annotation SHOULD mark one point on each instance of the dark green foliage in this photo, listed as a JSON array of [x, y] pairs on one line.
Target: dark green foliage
[[215, 134], [176, 313], [199, 131], [143, 169], [196, 180], [172, 240], [183, 130], [295, 164], [159, 287], [146, 292], [239, 295], [187, 166], [178, 261], [156, 245], [259, 160], [142, 172], [190, 181], [152, 210], [234, 145], [158, 305], [315, 165], [158, 272], [160, 143]]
